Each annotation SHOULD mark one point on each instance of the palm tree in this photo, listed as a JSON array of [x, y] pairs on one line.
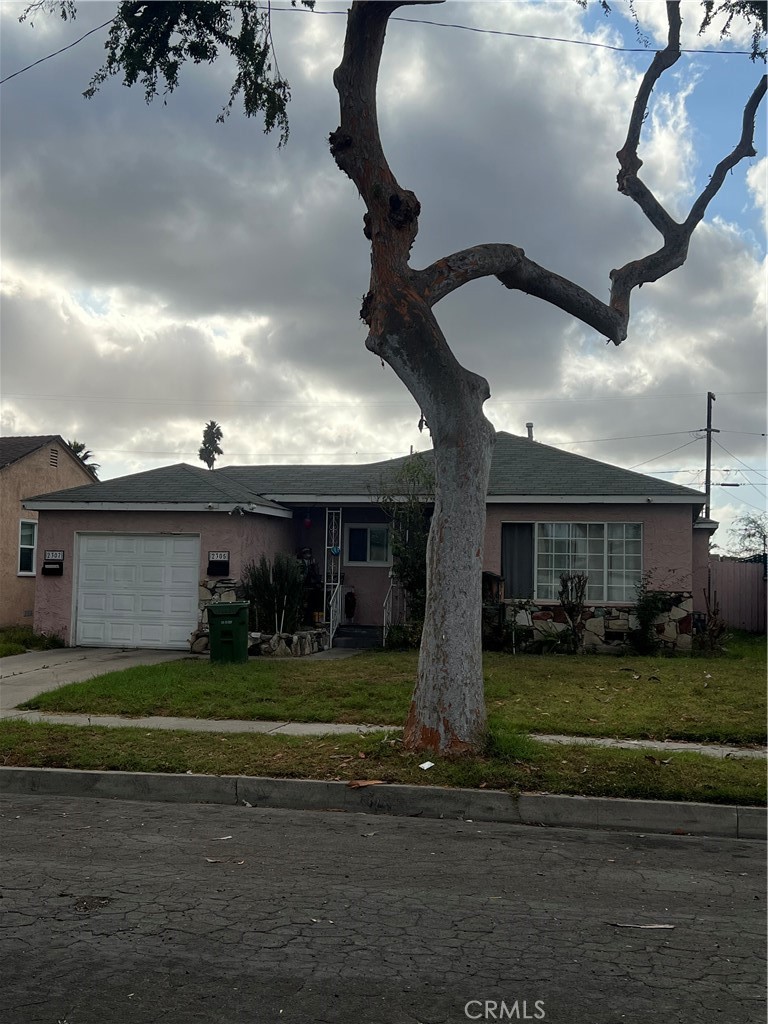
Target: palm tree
[[85, 455], [210, 448]]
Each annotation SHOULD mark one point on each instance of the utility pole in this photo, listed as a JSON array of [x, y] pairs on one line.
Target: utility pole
[[710, 430]]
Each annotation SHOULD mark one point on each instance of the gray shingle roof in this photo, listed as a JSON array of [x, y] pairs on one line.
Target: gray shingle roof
[[14, 448], [169, 484], [520, 468], [528, 467]]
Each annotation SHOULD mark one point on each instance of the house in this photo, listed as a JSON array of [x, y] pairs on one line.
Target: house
[[142, 553], [28, 464]]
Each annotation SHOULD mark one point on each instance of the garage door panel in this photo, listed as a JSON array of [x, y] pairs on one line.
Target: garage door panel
[[152, 575], [152, 604], [94, 545], [91, 633], [184, 575], [95, 573], [137, 590], [124, 574]]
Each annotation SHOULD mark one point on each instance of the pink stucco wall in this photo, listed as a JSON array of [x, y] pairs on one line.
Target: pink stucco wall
[[31, 475], [245, 537], [667, 534]]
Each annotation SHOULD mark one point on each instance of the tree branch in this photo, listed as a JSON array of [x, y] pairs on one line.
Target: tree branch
[[674, 251], [356, 144], [744, 148], [513, 268]]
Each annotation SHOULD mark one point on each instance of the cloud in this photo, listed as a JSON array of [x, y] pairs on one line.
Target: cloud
[[161, 270]]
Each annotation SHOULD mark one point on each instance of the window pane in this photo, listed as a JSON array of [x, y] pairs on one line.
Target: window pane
[[595, 531], [379, 549], [633, 531], [25, 560], [357, 550], [28, 533]]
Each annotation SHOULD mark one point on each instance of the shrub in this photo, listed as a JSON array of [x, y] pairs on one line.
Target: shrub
[[276, 593]]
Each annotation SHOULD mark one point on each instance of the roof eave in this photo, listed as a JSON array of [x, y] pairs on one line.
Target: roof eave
[[156, 506]]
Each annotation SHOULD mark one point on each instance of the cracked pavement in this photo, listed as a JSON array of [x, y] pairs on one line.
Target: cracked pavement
[[119, 912]]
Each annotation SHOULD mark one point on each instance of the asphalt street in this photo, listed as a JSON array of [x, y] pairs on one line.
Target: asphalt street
[[118, 912]]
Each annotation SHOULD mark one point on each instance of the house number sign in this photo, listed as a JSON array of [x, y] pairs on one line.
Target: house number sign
[[54, 556], [218, 556]]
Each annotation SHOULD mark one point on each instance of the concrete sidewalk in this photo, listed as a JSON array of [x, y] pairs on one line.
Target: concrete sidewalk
[[665, 747]]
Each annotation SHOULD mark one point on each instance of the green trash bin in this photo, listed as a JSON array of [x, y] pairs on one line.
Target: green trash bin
[[228, 631]]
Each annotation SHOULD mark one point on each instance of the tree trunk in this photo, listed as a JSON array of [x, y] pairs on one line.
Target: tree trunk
[[447, 713]]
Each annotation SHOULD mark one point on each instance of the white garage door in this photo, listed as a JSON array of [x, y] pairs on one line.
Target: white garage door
[[137, 590]]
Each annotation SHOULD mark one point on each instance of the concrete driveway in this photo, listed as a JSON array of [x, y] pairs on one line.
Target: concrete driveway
[[23, 676]]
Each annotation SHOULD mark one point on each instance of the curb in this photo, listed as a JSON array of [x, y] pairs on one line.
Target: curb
[[608, 813]]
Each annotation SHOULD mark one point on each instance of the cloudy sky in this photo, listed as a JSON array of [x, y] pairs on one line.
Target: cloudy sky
[[161, 270]]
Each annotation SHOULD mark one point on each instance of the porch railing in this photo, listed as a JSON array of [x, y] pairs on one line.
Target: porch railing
[[334, 612]]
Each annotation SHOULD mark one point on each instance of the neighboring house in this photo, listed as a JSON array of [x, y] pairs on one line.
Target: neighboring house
[[28, 464], [141, 552]]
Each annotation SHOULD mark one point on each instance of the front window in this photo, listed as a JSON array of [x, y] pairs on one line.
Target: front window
[[27, 545], [367, 545], [610, 554]]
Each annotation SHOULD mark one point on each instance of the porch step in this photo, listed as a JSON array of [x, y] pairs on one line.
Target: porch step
[[360, 637]]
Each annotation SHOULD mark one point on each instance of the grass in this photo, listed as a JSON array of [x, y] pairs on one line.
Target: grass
[[20, 639], [512, 762], [706, 699]]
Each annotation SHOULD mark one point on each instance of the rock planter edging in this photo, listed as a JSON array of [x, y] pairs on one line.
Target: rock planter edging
[[278, 645], [608, 628]]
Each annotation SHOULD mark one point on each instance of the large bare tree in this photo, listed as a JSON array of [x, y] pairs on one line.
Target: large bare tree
[[149, 42], [447, 712]]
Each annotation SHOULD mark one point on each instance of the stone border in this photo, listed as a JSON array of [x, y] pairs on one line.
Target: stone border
[[658, 816]]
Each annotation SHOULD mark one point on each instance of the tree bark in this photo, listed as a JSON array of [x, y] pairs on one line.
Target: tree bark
[[447, 712]]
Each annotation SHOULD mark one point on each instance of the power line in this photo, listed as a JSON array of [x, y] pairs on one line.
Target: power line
[[664, 455], [56, 52], [739, 460], [424, 21]]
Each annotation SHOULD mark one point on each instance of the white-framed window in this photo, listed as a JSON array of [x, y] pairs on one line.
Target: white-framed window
[[367, 544], [609, 553], [27, 547]]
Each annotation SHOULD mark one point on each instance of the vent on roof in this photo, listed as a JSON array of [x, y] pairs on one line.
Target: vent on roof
[[529, 427], [54, 459]]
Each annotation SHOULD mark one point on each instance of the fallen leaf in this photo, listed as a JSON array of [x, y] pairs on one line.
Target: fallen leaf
[[214, 860], [362, 754], [655, 679], [361, 783], [367, 835], [219, 839]]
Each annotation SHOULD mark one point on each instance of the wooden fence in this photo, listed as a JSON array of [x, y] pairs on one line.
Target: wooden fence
[[739, 589]]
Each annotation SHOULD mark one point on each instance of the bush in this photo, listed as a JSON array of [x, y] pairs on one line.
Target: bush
[[20, 639], [404, 636], [276, 593]]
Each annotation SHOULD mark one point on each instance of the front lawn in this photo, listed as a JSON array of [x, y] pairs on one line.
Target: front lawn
[[513, 763], [711, 699]]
